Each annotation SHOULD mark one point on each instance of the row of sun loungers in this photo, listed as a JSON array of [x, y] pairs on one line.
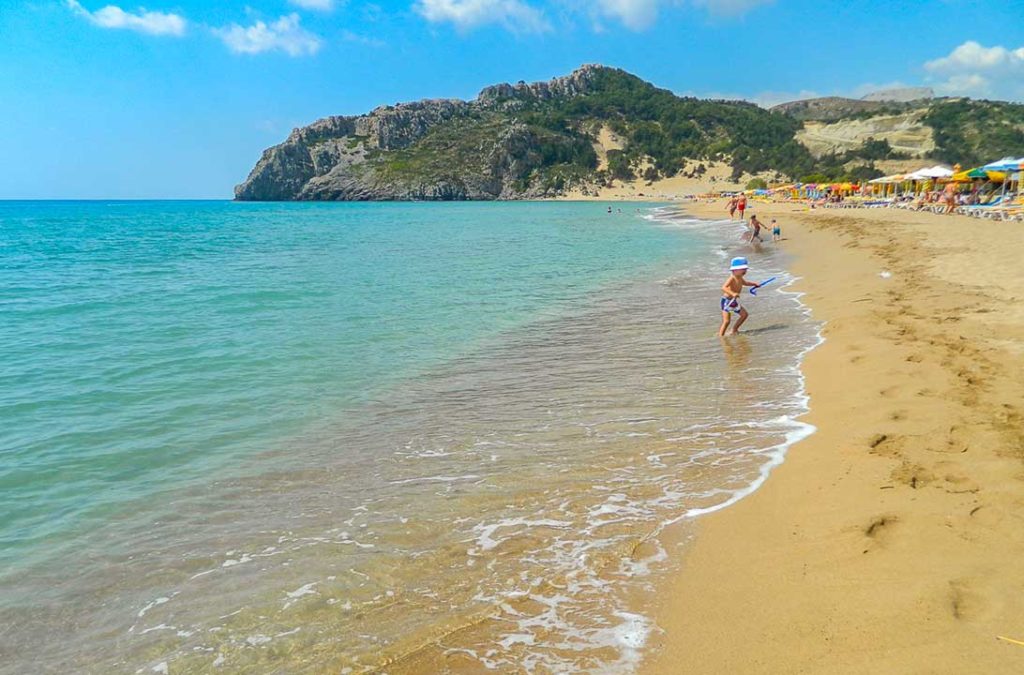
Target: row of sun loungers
[[1005, 209]]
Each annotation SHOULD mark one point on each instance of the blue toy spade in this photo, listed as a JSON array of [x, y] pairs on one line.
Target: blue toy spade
[[753, 291]]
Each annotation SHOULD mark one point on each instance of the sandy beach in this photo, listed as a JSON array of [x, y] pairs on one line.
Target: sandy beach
[[891, 540]]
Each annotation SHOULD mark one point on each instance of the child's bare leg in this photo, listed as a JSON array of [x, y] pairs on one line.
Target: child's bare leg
[[743, 317], [725, 323]]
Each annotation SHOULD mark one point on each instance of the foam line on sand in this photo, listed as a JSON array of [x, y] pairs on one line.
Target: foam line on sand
[[890, 540]]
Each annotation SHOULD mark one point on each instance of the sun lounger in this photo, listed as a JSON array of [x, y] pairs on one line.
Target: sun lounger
[[982, 210]]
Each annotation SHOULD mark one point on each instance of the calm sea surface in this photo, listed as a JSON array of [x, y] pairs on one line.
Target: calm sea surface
[[309, 437]]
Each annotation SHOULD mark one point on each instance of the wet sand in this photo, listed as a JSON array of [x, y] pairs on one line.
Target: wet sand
[[892, 540]]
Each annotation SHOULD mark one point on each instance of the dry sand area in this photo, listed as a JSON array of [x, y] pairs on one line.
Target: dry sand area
[[717, 177], [892, 540]]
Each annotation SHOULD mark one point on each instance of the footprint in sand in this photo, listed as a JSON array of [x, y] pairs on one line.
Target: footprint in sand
[[885, 445], [967, 601], [912, 475], [878, 529]]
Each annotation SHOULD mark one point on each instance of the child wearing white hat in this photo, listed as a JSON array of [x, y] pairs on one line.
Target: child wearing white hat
[[731, 290]]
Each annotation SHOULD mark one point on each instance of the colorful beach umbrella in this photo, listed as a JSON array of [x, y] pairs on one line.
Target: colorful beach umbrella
[[979, 172], [1006, 165]]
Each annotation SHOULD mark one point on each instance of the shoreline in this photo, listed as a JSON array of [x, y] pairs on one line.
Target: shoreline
[[889, 540]]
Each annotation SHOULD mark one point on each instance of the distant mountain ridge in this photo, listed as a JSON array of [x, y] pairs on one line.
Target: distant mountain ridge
[[522, 140], [945, 129], [835, 108], [900, 94]]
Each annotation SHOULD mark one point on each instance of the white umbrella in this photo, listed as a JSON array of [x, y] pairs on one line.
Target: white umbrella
[[938, 171]]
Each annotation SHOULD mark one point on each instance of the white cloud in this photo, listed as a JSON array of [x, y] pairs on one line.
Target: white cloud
[[975, 70], [315, 5], [349, 36], [633, 14], [641, 14], [971, 56], [285, 35], [515, 15], [730, 7], [143, 21]]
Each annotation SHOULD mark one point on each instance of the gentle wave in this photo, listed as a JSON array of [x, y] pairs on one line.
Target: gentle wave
[[499, 508]]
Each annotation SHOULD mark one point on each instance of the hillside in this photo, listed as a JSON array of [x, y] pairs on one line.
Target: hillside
[[950, 130], [549, 138], [523, 140], [906, 133], [835, 108]]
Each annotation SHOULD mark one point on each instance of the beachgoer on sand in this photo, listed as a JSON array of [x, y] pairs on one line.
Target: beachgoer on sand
[[950, 198], [732, 208], [776, 231], [731, 290], [741, 205]]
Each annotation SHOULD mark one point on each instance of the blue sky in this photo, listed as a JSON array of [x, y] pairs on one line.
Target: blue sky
[[177, 98]]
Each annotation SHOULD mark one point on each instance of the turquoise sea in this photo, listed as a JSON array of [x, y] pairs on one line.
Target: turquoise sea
[[291, 437]]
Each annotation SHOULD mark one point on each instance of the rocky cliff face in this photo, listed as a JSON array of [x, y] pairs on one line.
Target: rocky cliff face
[[524, 140], [378, 156], [577, 83], [316, 162]]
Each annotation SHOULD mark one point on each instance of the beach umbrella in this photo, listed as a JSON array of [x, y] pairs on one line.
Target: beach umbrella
[[1006, 164], [978, 173], [929, 172], [969, 175]]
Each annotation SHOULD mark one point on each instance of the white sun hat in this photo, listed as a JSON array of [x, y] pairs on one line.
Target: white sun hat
[[738, 264]]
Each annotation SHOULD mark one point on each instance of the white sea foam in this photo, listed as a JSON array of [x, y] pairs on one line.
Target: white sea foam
[[486, 540], [294, 596], [433, 479], [546, 553], [151, 605]]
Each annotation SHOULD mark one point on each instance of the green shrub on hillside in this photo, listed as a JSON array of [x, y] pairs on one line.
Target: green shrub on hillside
[[655, 123], [669, 129], [976, 132], [618, 165]]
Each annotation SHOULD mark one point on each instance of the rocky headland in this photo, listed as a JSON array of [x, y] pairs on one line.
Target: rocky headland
[[523, 141]]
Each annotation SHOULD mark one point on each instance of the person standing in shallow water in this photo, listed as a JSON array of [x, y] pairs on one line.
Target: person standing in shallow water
[[755, 229], [731, 290]]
